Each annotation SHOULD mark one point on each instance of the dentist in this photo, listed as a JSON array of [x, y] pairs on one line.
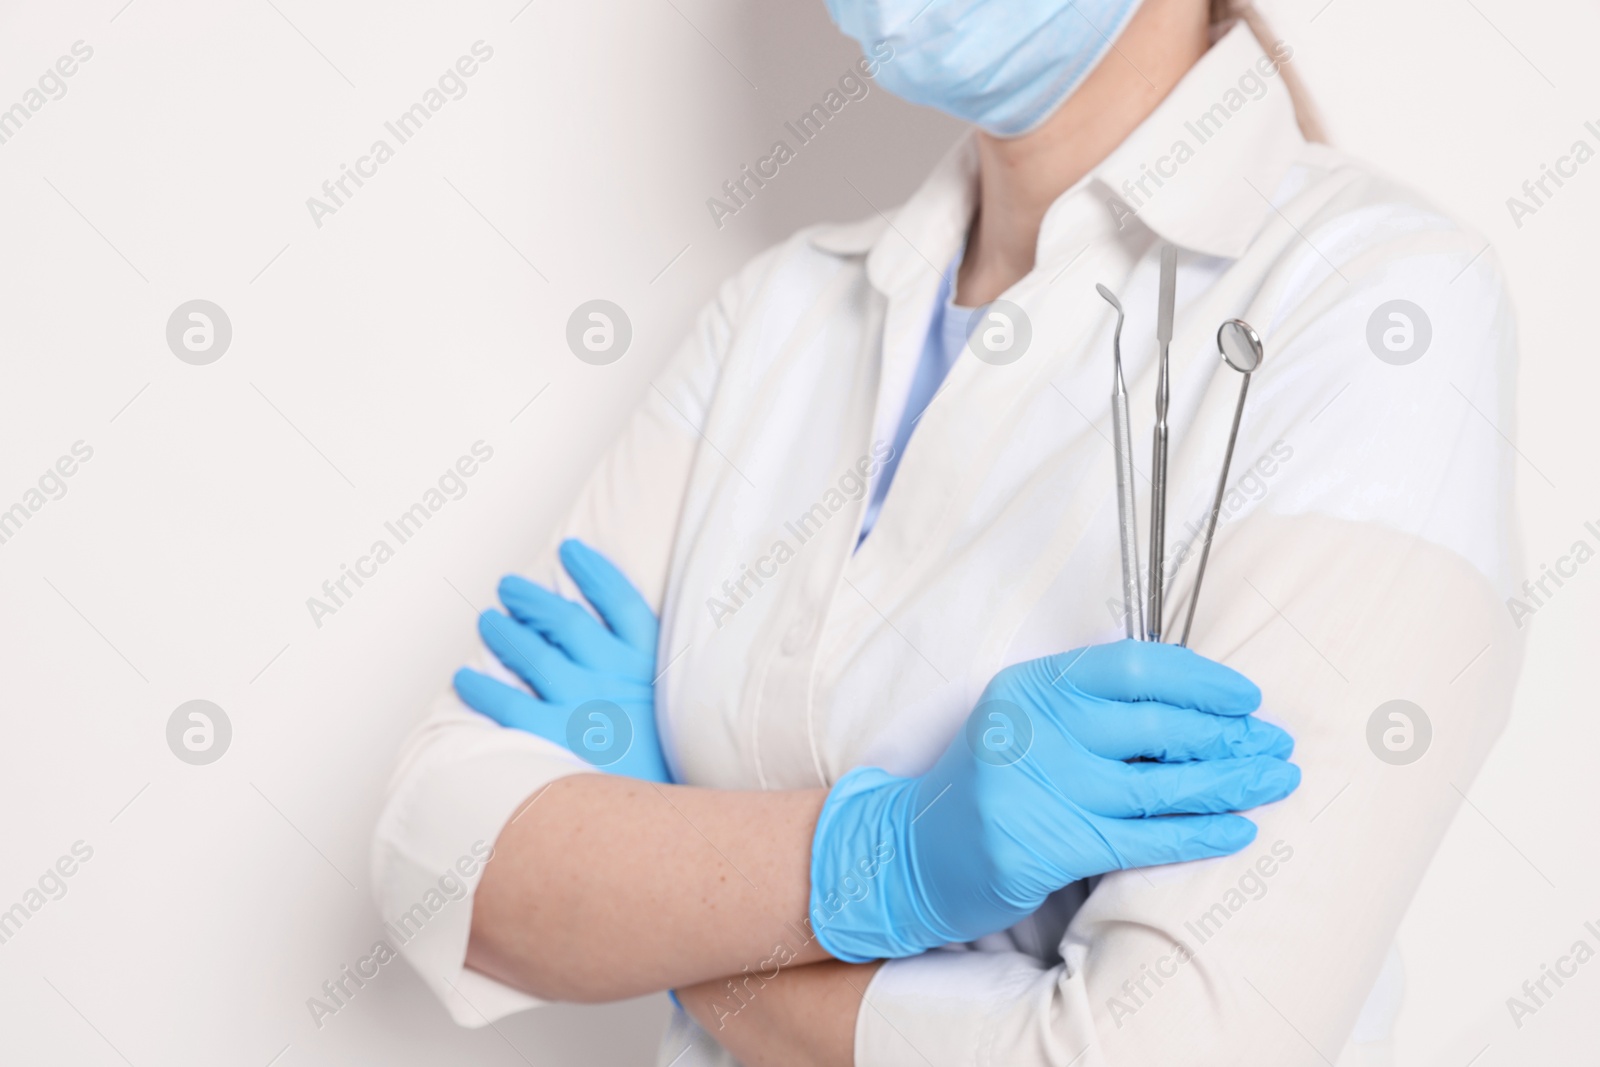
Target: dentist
[[877, 813]]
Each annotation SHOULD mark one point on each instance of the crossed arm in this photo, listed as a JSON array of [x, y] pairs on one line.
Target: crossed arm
[[609, 887], [606, 887]]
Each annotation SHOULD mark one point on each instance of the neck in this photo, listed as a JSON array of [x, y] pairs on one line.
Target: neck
[[1019, 178]]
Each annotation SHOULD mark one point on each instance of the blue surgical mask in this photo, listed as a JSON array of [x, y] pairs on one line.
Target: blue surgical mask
[[1004, 65]]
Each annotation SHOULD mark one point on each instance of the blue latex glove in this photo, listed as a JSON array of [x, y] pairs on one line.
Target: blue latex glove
[[593, 684], [1035, 794]]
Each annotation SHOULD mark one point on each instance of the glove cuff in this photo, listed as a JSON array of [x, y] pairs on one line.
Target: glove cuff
[[866, 903]]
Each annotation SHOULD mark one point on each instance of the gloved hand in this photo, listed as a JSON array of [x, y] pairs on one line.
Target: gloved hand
[[593, 685], [1035, 794]]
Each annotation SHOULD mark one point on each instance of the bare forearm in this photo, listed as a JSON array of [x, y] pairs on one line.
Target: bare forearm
[[802, 1016], [607, 887]]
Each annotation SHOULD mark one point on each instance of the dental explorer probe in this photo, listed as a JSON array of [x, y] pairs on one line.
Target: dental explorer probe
[[1127, 521], [1241, 349], [1158, 465]]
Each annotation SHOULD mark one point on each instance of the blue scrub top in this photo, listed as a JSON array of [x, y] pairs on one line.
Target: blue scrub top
[[947, 336]]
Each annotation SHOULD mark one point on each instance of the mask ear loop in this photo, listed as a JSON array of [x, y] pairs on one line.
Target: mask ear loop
[[1306, 114]]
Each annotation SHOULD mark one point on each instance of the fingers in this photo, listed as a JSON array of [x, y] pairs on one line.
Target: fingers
[[565, 624], [613, 596], [527, 654], [625, 642], [1150, 730], [509, 706], [1179, 839], [1134, 671], [1132, 790]]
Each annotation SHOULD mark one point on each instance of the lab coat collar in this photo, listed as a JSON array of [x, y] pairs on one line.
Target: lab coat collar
[[923, 235], [1209, 156]]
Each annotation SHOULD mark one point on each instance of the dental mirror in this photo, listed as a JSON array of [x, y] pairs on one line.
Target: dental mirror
[[1240, 345]]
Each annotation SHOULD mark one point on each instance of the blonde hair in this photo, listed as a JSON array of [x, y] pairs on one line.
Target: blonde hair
[[1305, 109]]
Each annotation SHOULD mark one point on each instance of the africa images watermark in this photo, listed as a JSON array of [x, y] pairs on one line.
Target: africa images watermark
[[739, 992], [1537, 192], [51, 485], [1251, 886], [451, 485], [52, 85], [1250, 86], [1536, 592], [452, 887], [852, 485], [854, 84], [51, 885], [1250, 487], [1536, 992], [336, 191]]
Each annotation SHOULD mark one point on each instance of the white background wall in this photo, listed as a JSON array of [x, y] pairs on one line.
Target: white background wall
[[424, 316]]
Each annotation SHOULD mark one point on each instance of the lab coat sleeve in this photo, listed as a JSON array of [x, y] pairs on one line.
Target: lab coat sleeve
[[1367, 574], [460, 777]]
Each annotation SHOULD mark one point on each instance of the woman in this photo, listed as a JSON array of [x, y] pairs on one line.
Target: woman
[[869, 536]]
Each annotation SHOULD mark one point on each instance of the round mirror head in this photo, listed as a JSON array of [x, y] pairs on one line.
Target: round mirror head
[[1240, 345]]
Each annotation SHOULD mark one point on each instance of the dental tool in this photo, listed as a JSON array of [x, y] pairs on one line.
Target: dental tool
[[1158, 465], [1122, 443], [1241, 349]]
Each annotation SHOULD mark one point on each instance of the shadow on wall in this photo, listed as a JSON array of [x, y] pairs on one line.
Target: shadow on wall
[[868, 150]]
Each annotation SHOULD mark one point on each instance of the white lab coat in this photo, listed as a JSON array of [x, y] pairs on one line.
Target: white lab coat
[[1363, 557]]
